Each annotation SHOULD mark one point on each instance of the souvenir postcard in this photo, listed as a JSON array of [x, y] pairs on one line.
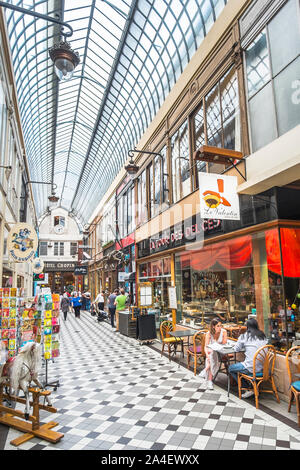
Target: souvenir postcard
[[5, 302], [12, 353], [4, 323], [47, 355], [12, 323], [12, 344], [48, 314], [13, 302], [6, 292], [55, 353], [5, 312], [12, 334], [4, 334], [13, 312], [13, 292]]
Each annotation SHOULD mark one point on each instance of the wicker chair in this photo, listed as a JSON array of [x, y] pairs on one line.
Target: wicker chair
[[171, 341], [265, 356], [196, 351], [293, 355]]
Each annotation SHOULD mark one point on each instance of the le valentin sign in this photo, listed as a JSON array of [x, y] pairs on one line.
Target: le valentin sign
[[218, 197], [188, 231]]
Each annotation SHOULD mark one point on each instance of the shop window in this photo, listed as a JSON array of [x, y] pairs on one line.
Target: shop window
[[284, 286], [272, 75], [220, 271]]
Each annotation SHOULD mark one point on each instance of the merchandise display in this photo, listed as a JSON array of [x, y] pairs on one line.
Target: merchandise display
[[24, 319]]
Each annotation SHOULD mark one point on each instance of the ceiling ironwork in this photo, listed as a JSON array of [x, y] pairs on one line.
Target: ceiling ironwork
[[132, 52]]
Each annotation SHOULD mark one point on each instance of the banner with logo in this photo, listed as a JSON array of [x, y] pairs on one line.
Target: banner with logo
[[218, 197], [22, 243]]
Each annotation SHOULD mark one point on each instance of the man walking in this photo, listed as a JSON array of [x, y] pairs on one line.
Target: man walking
[[112, 307], [120, 304]]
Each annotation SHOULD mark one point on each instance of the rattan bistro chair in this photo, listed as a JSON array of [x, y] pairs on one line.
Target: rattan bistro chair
[[196, 352], [266, 356], [171, 341], [293, 355]]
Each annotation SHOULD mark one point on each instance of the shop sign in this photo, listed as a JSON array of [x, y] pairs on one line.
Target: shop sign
[[186, 232], [81, 271], [37, 266], [59, 266], [22, 243], [218, 197]]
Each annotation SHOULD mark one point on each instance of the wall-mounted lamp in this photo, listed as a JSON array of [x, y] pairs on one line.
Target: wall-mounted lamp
[[131, 168], [64, 58], [8, 170], [53, 199]]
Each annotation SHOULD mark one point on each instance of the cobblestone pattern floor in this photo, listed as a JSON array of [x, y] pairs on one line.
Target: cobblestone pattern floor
[[117, 395]]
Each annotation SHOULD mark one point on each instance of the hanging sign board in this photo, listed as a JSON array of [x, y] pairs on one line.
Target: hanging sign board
[[22, 243], [37, 266], [172, 297], [218, 197]]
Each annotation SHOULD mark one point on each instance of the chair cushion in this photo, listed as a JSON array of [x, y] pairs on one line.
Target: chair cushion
[[171, 340], [198, 349], [296, 385], [258, 374]]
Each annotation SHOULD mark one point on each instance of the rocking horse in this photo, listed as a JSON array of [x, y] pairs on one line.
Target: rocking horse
[[17, 374], [24, 370]]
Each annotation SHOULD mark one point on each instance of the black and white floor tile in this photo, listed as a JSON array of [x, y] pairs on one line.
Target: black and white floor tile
[[117, 395]]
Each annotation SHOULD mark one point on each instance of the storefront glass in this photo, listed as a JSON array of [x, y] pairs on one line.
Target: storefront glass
[[158, 272], [243, 276]]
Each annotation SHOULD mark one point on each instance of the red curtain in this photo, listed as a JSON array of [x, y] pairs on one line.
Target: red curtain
[[231, 254], [290, 244]]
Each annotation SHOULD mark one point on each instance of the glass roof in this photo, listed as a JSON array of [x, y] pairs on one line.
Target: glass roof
[[132, 52]]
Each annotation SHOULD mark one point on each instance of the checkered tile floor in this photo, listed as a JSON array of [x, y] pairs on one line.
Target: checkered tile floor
[[115, 394]]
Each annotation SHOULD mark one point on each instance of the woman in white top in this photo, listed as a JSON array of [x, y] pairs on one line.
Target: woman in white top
[[216, 334]]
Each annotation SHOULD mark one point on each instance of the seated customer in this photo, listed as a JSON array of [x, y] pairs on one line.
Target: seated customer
[[221, 308], [249, 342], [216, 334]]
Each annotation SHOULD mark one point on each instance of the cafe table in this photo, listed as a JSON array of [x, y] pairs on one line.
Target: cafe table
[[183, 334], [223, 350]]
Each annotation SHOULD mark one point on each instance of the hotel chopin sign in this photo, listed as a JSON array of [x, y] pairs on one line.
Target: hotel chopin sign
[[22, 243]]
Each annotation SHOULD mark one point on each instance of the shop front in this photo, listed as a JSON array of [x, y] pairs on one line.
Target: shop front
[[60, 275], [127, 266], [251, 271]]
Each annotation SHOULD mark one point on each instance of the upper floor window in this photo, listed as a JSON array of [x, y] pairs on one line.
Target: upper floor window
[[219, 124], [43, 248], [272, 77], [59, 249], [180, 156], [73, 249]]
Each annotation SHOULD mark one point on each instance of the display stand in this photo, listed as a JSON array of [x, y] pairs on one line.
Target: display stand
[[53, 384]]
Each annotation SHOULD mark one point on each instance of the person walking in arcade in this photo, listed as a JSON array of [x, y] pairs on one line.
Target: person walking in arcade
[[76, 303]]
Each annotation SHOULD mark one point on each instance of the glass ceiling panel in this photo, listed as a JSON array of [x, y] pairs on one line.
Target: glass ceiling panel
[[78, 133]]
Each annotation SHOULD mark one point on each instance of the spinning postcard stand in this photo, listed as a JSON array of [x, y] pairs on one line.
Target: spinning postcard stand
[[48, 314]]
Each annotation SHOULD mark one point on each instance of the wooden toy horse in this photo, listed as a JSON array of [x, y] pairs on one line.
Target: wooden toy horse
[[24, 370]]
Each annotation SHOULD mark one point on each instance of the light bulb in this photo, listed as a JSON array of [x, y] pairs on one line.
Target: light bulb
[[64, 68]]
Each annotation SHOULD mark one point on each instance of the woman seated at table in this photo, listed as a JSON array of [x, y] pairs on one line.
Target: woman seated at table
[[216, 334], [249, 343]]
